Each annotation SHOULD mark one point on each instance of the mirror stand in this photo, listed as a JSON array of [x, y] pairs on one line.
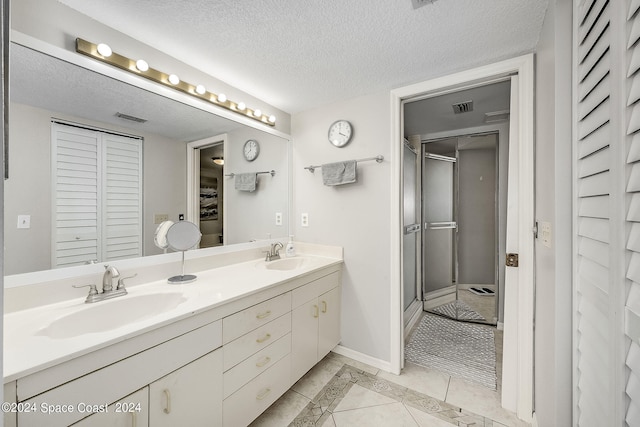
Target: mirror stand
[[182, 278]]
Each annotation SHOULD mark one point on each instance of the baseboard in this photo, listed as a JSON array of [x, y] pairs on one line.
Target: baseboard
[[364, 358], [500, 326], [438, 301], [412, 322]]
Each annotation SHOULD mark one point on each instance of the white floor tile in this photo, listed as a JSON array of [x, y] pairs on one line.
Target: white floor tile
[[359, 397], [283, 411], [315, 380], [425, 420], [428, 381]]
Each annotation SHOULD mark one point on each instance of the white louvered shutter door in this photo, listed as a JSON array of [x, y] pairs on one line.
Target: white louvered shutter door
[[122, 197], [632, 309], [593, 342], [76, 183]]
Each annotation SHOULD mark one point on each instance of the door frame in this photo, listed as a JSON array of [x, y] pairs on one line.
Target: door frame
[[518, 387], [193, 177]]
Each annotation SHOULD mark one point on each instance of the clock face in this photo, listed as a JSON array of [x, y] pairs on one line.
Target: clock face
[[340, 133], [251, 150]]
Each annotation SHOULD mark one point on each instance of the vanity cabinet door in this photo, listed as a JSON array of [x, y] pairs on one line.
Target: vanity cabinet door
[[189, 396], [328, 322], [132, 411], [304, 338], [315, 324]]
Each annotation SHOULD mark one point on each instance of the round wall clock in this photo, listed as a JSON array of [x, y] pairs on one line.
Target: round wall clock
[[340, 133], [251, 150]]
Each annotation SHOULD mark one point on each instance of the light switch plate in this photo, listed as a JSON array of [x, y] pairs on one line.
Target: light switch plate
[[160, 218], [278, 218], [305, 220], [545, 233], [24, 221]]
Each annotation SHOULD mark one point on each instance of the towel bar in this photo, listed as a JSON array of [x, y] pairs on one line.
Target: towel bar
[[378, 159], [271, 172]]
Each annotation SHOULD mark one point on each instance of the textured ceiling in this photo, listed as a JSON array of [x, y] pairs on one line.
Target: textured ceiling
[[297, 55]]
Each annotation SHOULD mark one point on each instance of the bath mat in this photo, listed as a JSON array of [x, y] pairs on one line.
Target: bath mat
[[458, 310], [459, 349]]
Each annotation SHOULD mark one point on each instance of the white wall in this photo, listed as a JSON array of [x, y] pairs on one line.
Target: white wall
[[553, 204], [28, 189], [355, 216], [244, 221]]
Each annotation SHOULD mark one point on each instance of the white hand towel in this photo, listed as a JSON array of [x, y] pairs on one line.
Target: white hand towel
[[245, 181], [339, 173]]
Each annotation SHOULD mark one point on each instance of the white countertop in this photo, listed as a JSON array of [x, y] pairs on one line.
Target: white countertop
[[28, 350]]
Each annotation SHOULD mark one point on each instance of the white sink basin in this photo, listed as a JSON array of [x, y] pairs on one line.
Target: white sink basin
[[284, 264], [111, 314]]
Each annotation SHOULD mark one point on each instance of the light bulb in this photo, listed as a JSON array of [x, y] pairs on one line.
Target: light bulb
[[222, 97], [272, 119], [241, 106], [142, 65], [173, 79], [257, 112], [104, 50], [200, 90]]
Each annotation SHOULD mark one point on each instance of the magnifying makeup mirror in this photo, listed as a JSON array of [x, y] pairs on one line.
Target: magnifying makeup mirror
[[180, 236]]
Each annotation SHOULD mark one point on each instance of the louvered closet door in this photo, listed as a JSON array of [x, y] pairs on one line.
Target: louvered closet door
[[76, 183], [122, 197], [632, 309], [592, 355]]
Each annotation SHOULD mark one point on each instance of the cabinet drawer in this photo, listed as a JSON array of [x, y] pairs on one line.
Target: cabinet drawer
[[246, 404], [254, 365], [238, 350], [307, 292], [133, 410], [240, 323]]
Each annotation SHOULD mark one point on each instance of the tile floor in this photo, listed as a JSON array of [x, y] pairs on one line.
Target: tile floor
[[341, 392]]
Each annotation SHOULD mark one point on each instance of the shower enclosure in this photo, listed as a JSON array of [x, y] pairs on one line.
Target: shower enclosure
[[460, 227]]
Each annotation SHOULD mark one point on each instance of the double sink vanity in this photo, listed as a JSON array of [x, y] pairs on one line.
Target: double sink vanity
[[215, 352]]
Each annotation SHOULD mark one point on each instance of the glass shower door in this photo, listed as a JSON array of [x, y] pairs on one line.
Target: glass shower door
[[439, 235], [411, 227]]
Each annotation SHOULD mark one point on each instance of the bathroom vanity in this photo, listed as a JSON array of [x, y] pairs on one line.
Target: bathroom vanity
[[216, 352]]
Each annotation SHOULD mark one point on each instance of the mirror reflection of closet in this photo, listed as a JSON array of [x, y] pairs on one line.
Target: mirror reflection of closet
[[212, 195]]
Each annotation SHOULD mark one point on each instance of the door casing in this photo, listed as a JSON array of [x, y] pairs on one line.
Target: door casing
[[521, 350]]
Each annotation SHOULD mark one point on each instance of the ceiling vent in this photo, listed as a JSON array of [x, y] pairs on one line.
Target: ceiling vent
[[463, 107], [496, 116], [130, 118], [420, 3]]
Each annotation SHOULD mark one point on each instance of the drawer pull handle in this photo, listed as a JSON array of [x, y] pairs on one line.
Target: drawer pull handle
[[167, 409], [315, 311], [264, 393], [263, 315], [263, 362], [324, 306], [263, 339], [134, 419]]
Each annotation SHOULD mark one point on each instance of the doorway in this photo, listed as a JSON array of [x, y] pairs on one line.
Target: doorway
[[517, 390]]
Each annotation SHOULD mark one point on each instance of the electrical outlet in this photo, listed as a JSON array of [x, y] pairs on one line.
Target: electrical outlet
[[278, 218], [305, 220], [160, 218], [24, 221]]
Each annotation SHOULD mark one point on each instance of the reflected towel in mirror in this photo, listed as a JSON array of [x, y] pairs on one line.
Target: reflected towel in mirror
[[245, 181], [339, 173]]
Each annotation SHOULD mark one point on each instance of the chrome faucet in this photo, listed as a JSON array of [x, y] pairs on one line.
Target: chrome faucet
[[274, 252], [108, 292]]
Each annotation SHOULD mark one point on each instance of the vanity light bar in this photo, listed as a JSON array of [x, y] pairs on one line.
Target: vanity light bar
[[170, 80]]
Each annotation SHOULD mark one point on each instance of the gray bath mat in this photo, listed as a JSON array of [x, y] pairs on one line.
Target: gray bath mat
[[459, 349], [458, 310]]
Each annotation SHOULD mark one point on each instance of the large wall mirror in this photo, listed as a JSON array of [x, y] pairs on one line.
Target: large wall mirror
[[46, 91]]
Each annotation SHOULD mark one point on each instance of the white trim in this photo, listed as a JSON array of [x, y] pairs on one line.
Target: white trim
[[363, 358], [523, 67], [413, 320]]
